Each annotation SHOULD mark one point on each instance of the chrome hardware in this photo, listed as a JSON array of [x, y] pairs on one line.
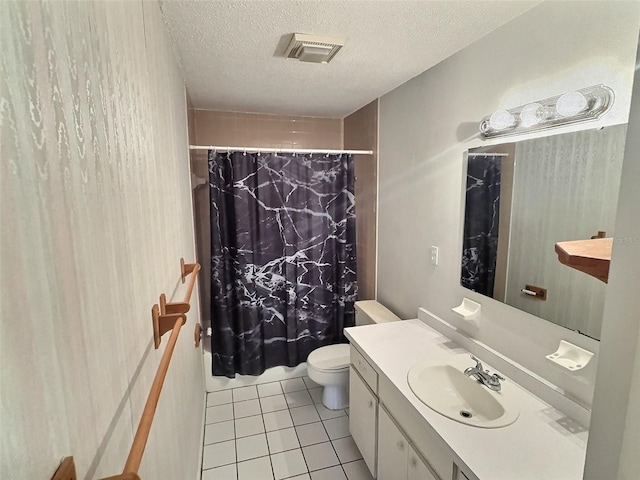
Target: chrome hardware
[[478, 372]]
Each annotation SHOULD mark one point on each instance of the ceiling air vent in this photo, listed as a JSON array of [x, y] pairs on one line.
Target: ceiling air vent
[[313, 48]]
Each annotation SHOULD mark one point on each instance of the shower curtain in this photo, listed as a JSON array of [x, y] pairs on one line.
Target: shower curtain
[[283, 260], [480, 240]]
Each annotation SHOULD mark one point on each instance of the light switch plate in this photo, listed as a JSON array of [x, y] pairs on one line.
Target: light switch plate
[[435, 255]]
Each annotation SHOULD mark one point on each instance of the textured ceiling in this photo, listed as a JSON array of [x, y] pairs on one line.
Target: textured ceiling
[[229, 49]]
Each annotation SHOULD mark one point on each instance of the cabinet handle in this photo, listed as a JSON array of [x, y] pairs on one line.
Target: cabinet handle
[[400, 445]]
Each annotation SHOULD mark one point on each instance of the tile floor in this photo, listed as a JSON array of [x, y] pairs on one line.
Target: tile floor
[[278, 430]]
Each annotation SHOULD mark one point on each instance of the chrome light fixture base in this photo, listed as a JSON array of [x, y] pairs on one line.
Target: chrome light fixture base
[[586, 104]]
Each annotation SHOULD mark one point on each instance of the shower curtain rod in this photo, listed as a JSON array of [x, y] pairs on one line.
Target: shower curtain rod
[[276, 150], [474, 154]]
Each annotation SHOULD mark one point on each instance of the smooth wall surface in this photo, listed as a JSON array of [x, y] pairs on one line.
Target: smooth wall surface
[[612, 451], [428, 123], [361, 133], [96, 213]]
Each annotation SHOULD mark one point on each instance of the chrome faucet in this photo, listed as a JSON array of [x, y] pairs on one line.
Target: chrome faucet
[[478, 372]]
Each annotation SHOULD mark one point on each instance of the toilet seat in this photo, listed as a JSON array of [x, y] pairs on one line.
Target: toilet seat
[[329, 366], [330, 358]]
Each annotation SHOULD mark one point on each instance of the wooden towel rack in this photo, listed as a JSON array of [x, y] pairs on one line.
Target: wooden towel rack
[[165, 316]]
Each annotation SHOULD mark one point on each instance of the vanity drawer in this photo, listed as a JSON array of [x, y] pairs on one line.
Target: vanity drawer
[[365, 369]]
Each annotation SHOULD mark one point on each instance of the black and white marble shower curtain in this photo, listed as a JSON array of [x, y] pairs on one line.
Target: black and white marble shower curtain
[[283, 260], [480, 238]]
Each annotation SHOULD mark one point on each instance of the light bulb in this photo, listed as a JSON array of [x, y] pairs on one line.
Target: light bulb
[[501, 119], [571, 104], [532, 114]]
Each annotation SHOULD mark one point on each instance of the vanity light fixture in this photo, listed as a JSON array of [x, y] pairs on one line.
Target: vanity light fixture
[[532, 114], [571, 104], [586, 104], [501, 120]]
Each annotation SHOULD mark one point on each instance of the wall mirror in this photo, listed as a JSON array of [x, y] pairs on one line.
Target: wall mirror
[[522, 198]]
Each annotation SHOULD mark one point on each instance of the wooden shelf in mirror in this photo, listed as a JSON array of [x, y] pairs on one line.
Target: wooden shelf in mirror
[[589, 256]]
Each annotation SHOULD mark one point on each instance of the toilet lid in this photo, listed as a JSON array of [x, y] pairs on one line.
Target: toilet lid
[[330, 357]]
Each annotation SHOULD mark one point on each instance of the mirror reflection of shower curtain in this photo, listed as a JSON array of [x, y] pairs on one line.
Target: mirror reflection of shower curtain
[[283, 260], [480, 239]]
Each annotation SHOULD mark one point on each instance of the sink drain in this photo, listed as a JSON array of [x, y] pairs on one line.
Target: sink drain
[[465, 414]]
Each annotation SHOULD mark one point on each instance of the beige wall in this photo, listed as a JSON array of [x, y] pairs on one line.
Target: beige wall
[[428, 123], [269, 131], [361, 133], [239, 129], [96, 213]]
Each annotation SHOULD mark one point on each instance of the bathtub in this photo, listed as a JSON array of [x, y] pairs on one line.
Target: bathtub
[[274, 374]]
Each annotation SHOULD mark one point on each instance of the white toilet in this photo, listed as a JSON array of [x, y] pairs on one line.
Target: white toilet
[[329, 366]]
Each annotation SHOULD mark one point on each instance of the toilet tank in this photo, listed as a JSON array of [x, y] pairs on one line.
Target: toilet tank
[[370, 311]]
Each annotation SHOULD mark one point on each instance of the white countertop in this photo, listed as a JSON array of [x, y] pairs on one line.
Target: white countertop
[[543, 444]]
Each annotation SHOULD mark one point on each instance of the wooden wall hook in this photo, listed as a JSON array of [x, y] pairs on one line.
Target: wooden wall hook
[[186, 269], [66, 470], [124, 476], [172, 307], [162, 323], [197, 334]]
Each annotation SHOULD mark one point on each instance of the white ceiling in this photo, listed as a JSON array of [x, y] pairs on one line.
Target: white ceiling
[[228, 48]]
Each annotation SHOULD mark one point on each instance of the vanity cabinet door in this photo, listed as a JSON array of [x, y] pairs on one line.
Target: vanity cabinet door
[[459, 474], [417, 468], [393, 449], [363, 407]]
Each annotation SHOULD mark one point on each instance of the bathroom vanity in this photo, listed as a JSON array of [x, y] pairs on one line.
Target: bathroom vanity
[[400, 437]]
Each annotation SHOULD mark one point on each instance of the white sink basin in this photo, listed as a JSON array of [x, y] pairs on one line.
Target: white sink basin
[[445, 388]]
